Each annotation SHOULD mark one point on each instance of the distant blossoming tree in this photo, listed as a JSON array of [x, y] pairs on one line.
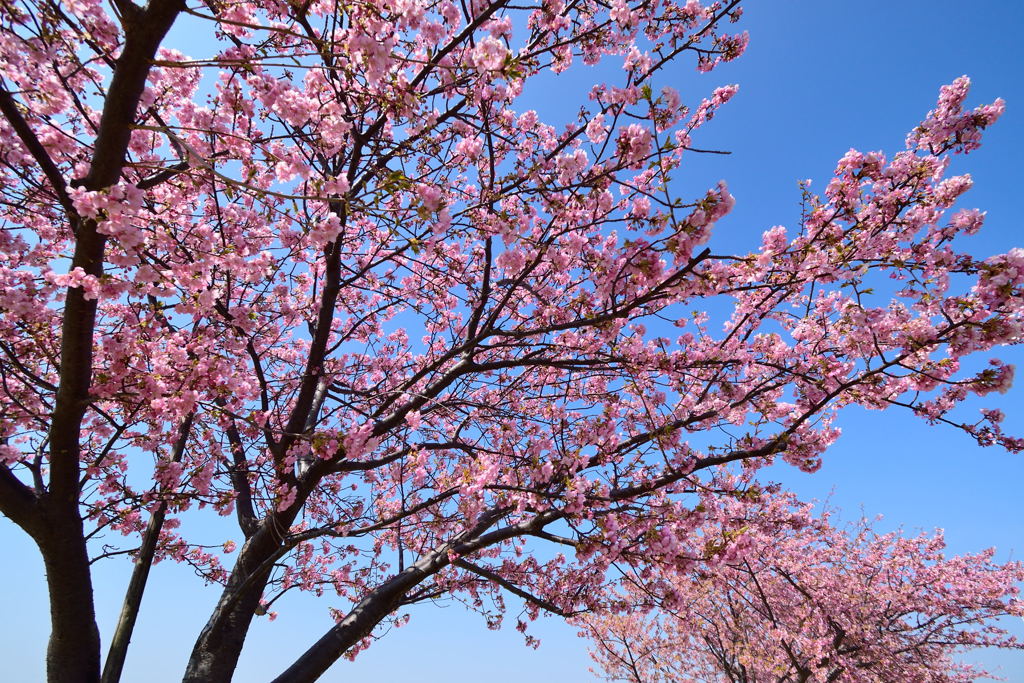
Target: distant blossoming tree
[[333, 278], [784, 596]]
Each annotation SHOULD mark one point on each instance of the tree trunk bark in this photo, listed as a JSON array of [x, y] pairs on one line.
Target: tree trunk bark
[[356, 625], [387, 597], [215, 654], [73, 653]]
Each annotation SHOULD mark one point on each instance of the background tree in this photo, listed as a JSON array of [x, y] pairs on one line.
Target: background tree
[[784, 596], [342, 290]]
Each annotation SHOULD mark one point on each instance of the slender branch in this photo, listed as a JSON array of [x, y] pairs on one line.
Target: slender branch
[[9, 108], [118, 650], [512, 588]]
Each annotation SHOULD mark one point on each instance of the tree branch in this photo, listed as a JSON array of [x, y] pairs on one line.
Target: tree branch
[[118, 650], [9, 108], [512, 588]]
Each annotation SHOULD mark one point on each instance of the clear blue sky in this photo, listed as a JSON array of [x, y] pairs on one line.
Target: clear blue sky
[[818, 78]]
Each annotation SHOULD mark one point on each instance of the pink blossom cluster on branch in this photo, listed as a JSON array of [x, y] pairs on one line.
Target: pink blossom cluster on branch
[[335, 279], [782, 595]]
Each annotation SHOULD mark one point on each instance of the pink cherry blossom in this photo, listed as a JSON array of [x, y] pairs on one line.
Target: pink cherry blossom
[[800, 598], [334, 278]]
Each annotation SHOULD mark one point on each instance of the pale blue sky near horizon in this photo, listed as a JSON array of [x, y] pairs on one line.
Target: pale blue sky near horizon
[[818, 78]]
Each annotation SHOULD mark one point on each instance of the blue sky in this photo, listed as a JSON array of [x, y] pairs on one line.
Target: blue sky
[[818, 78]]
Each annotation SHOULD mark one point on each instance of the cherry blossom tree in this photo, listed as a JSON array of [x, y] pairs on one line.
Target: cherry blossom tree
[[334, 280], [779, 595]]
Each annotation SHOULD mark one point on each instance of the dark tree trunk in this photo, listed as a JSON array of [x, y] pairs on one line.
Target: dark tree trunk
[[358, 624], [73, 653], [215, 654], [383, 600]]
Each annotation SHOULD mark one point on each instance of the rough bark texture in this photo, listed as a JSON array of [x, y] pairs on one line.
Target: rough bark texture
[[354, 627], [73, 653], [215, 654]]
